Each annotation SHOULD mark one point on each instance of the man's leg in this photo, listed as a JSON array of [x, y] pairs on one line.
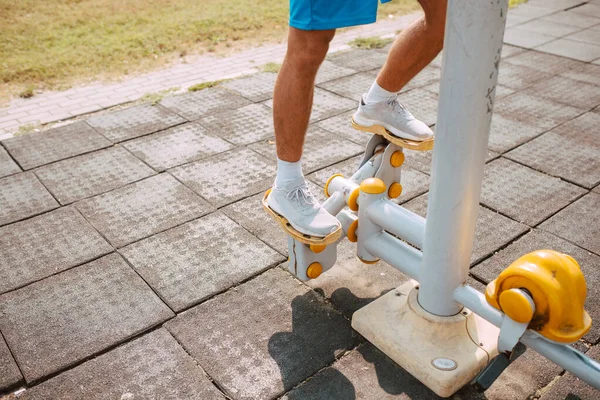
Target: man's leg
[[415, 47], [292, 104], [294, 89], [412, 50]]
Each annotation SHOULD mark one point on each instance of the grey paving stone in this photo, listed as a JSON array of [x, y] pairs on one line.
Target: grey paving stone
[[352, 87], [91, 174], [188, 264], [365, 373], [23, 195], [526, 39], [265, 337], [543, 62], [242, 126], [7, 165], [530, 10], [141, 209], [550, 28], [519, 77], [535, 111], [592, 10], [574, 157], [321, 149], [571, 49], [227, 177], [45, 245], [135, 121], [506, 134], [591, 36], [421, 160], [359, 59], [177, 146], [151, 367], [427, 76], [489, 269], [10, 376], [569, 387], [514, 20], [35, 149], [351, 284], [572, 18], [422, 104], [194, 105], [492, 230], [250, 214], [329, 71], [587, 234], [523, 194], [256, 87], [341, 125], [567, 91], [509, 51], [588, 73], [52, 324]]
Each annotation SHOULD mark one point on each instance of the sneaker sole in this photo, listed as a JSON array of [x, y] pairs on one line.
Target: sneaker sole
[[409, 144], [293, 232]]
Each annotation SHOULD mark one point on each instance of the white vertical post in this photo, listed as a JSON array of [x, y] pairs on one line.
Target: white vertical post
[[472, 49]]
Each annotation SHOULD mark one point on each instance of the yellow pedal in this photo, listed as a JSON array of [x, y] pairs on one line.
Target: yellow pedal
[[299, 236], [404, 143]]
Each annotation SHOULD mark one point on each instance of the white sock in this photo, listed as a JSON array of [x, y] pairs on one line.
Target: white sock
[[377, 94], [287, 171]]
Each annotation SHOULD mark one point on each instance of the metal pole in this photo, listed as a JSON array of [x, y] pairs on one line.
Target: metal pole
[[472, 48], [399, 221]]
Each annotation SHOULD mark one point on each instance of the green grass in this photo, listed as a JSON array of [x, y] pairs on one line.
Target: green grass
[[514, 3], [374, 42], [58, 43], [271, 67], [205, 85]]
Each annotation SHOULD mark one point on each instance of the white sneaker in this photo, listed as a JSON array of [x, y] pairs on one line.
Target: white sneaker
[[295, 202], [394, 117]]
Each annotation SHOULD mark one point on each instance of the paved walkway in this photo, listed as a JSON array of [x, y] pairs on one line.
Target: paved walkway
[[136, 261]]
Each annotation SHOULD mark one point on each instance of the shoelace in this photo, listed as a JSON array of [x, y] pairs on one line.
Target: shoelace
[[302, 196], [397, 106]]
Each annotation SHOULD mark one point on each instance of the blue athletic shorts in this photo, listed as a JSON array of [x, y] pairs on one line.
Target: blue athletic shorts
[[312, 15]]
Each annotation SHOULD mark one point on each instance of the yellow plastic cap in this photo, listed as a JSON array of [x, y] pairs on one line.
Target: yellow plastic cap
[[329, 181], [558, 289], [395, 190], [397, 159], [373, 186], [353, 199], [515, 304], [352, 232], [368, 262], [317, 248], [314, 270]]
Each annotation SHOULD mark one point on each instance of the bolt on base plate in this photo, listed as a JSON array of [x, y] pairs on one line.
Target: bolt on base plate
[[444, 353]]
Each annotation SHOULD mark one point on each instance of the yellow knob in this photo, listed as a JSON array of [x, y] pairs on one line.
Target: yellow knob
[[353, 199], [373, 186], [317, 248], [397, 159], [314, 270], [515, 304], [395, 190], [329, 181], [352, 231]]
